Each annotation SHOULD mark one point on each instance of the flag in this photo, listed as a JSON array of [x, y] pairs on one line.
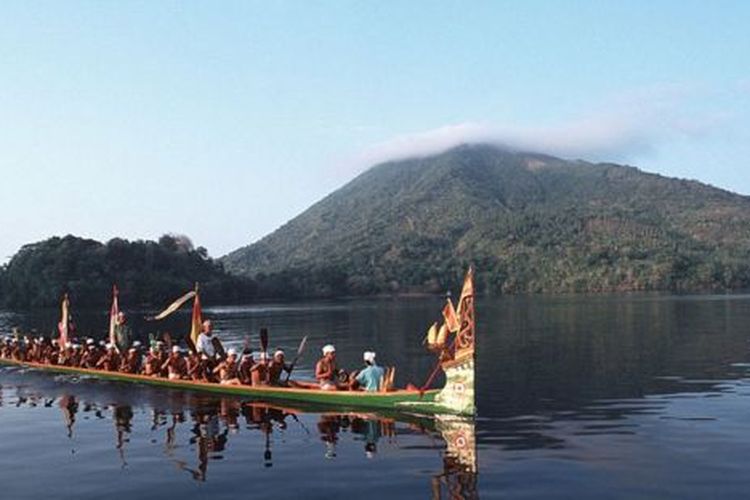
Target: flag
[[449, 313], [432, 334], [468, 289], [196, 324], [442, 335], [174, 305], [465, 336], [113, 312], [62, 326]]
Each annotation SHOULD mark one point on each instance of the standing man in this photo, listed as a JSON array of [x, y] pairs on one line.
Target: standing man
[[123, 335], [205, 343]]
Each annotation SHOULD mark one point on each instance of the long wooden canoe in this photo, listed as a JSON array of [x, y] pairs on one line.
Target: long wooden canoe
[[456, 361], [399, 400]]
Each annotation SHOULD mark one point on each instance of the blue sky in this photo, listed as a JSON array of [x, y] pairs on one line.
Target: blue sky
[[222, 120]]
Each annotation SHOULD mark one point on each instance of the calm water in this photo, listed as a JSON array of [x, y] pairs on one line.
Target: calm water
[[579, 397]]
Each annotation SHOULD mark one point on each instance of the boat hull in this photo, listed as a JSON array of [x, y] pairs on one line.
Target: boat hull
[[399, 400]]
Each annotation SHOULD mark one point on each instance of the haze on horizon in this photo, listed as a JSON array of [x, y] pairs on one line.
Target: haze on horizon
[[223, 121]]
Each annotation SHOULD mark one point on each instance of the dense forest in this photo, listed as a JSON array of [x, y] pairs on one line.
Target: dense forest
[[529, 223], [146, 273]]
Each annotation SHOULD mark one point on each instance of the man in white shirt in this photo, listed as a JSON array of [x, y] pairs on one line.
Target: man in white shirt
[[205, 344]]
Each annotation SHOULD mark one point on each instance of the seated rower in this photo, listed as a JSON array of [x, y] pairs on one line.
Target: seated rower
[[110, 361], [76, 352], [191, 363], [200, 369], [175, 365], [52, 354], [259, 370], [246, 364], [162, 355], [36, 350], [152, 365], [369, 379], [63, 357], [326, 371], [91, 355], [227, 369], [276, 368], [131, 362], [5, 348]]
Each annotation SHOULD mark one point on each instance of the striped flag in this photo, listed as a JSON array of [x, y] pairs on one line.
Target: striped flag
[[197, 322], [113, 312], [451, 318], [174, 306]]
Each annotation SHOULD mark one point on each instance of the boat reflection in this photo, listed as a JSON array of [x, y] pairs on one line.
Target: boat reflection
[[210, 425]]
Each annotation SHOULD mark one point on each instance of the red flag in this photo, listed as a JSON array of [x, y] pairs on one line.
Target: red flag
[[113, 313], [465, 336], [451, 319], [197, 322], [64, 323]]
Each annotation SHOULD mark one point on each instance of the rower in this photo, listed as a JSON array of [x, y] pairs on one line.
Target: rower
[[369, 378], [75, 355], [277, 367], [192, 360], [325, 369], [131, 362], [227, 369], [161, 356], [52, 354], [175, 365], [153, 363], [111, 360], [259, 370], [246, 364], [91, 355]]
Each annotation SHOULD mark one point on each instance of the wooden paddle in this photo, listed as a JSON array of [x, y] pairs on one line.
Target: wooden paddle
[[218, 347], [263, 340], [299, 353], [190, 344]]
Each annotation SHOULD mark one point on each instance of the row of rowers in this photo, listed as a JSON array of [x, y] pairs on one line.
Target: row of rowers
[[206, 363]]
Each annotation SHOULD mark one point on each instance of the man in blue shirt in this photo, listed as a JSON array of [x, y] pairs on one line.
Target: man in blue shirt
[[370, 378]]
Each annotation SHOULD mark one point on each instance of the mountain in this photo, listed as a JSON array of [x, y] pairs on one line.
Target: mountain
[[528, 223], [146, 272]]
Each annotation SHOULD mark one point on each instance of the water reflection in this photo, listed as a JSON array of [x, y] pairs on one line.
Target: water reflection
[[212, 424]]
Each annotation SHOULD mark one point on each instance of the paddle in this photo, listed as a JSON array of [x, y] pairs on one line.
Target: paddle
[[190, 344], [299, 353], [263, 340]]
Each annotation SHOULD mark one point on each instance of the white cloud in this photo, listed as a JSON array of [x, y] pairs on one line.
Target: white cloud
[[629, 126]]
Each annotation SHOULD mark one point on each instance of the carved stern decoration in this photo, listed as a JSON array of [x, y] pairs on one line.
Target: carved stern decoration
[[458, 361]]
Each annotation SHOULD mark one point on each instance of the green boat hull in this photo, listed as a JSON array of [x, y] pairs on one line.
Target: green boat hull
[[400, 400]]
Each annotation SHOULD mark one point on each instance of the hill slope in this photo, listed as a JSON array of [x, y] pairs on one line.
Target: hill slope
[[530, 223]]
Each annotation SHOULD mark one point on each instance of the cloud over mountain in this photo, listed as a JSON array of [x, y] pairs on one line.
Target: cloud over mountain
[[627, 127]]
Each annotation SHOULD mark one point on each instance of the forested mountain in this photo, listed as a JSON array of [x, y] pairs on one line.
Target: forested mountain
[[528, 222], [146, 272]]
